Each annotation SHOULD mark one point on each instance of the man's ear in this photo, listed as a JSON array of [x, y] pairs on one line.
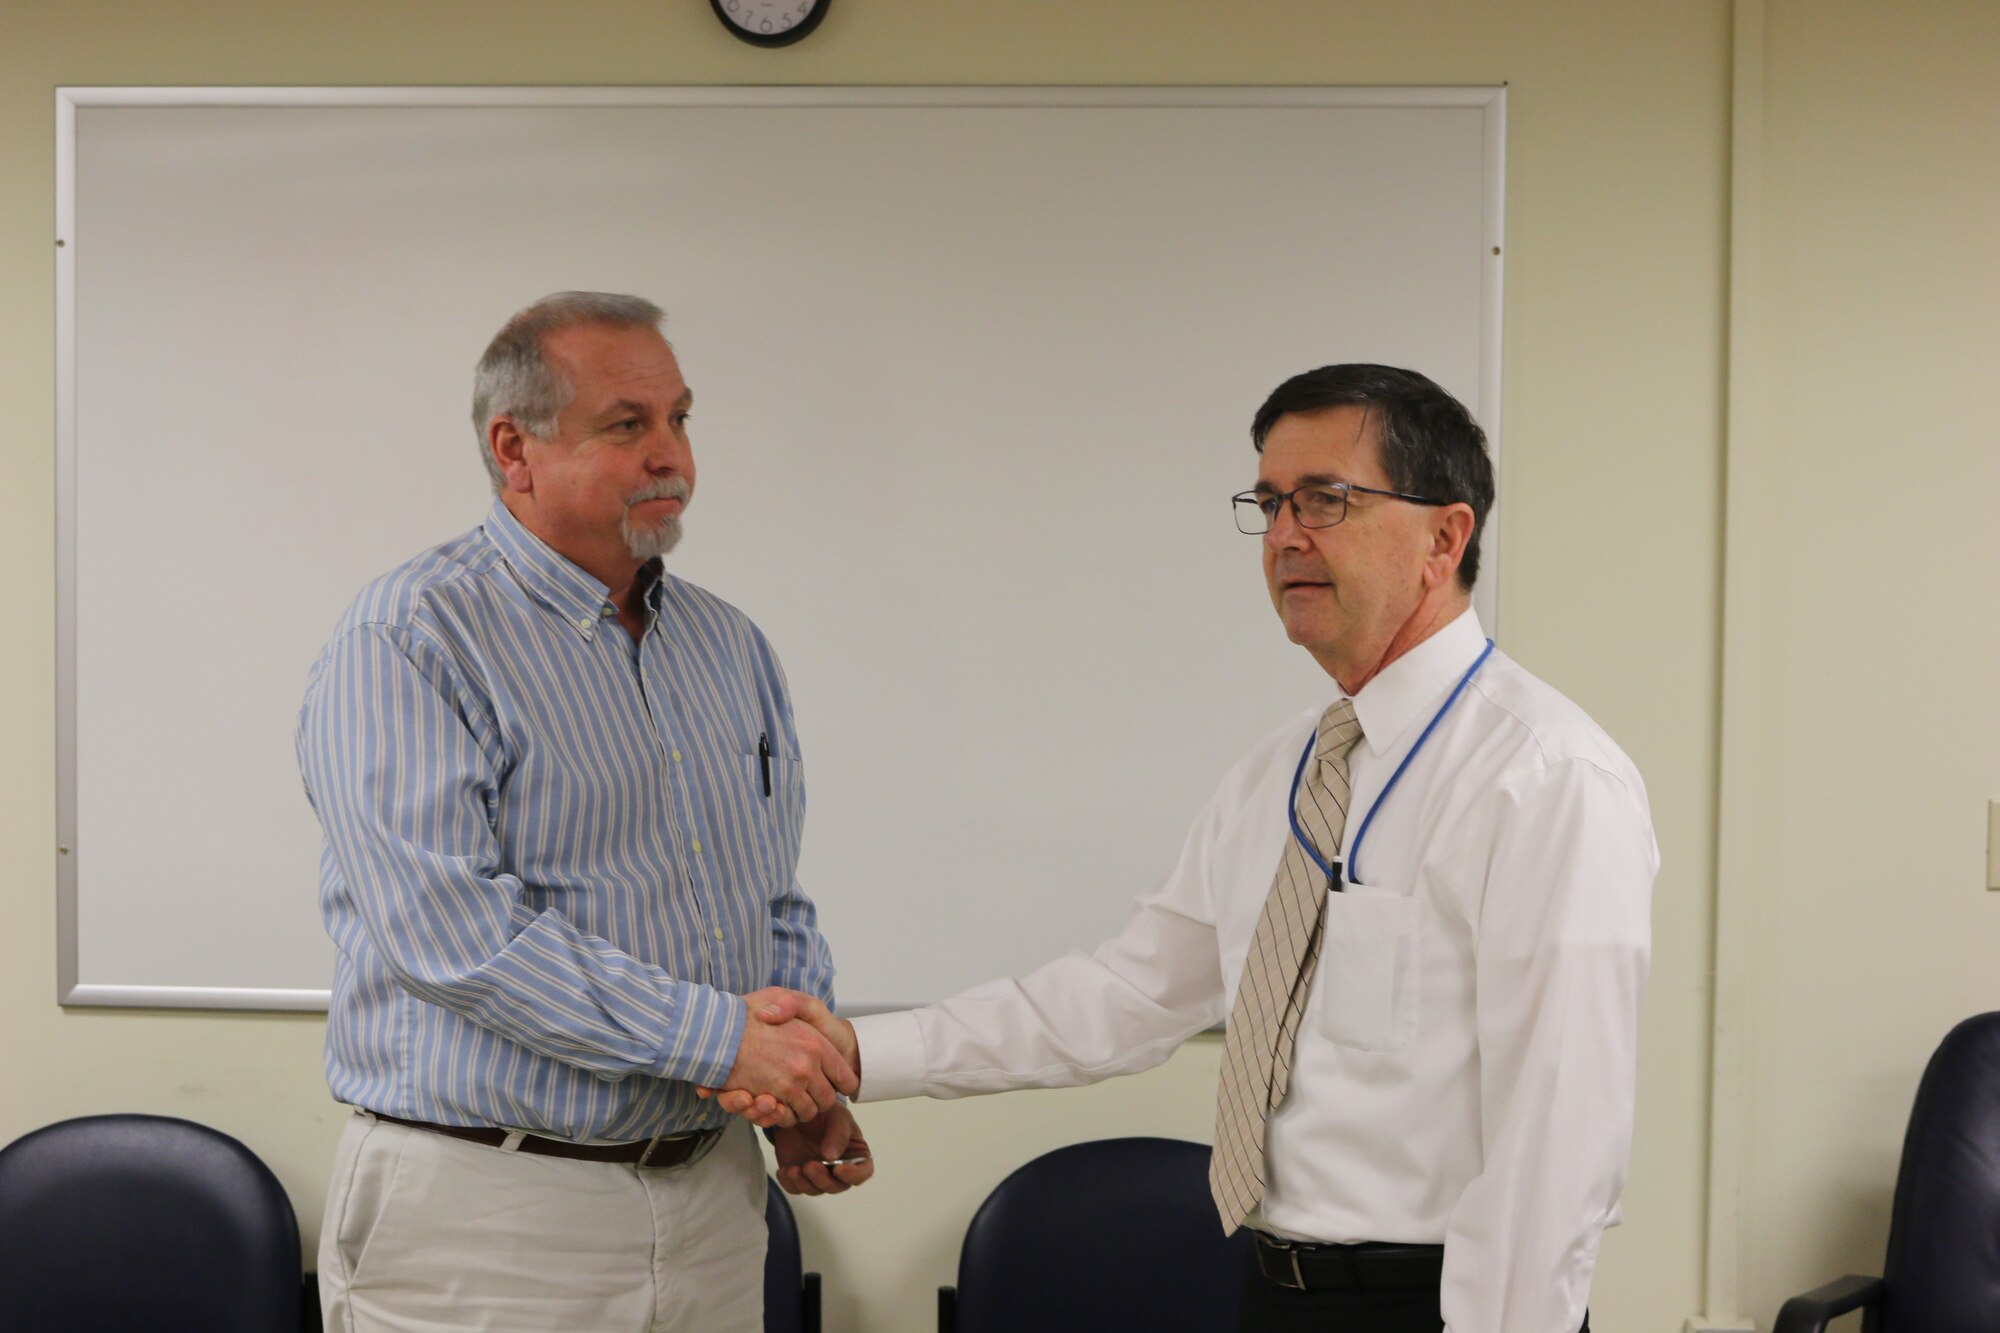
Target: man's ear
[[508, 444], [1451, 529]]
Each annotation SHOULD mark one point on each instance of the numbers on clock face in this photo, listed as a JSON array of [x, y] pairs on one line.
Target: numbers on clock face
[[768, 17]]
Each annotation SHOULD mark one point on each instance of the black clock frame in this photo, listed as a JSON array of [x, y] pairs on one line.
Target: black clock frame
[[797, 33]]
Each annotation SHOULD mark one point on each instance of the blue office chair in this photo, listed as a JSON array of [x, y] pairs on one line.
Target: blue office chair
[[141, 1221], [1942, 1271], [791, 1295], [1115, 1234]]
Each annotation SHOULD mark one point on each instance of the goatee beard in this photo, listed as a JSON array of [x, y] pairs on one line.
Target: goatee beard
[[648, 541]]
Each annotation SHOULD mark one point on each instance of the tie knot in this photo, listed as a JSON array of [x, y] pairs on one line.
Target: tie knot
[[1339, 729]]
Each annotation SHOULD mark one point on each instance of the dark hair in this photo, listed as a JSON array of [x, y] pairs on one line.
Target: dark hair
[[1430, 444]]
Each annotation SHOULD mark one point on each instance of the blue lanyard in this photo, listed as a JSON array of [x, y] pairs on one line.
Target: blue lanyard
[[1332, 872]]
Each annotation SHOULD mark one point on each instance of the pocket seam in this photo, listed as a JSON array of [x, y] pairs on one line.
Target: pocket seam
[[382, 1205]]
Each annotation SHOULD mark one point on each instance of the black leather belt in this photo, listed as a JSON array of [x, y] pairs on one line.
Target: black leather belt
[[656, 1153], [1370, 1266]]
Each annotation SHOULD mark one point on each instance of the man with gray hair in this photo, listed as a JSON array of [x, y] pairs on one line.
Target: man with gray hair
[[562, 802]]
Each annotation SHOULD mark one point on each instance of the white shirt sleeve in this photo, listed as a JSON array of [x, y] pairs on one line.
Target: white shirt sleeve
[[1561, 967], [1119, 1009]]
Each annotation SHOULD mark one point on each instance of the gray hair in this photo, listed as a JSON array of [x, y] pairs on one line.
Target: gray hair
[[515, 379]]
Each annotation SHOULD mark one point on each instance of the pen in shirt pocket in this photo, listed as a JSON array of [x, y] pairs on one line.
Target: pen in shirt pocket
[[764, 760]]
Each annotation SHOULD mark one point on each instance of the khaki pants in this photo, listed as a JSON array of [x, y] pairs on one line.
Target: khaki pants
[[429, 1234]]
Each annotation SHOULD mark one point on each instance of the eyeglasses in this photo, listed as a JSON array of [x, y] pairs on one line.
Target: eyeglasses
[[1322, 505]]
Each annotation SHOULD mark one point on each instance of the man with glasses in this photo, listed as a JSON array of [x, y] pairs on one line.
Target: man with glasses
[[1423, 913]]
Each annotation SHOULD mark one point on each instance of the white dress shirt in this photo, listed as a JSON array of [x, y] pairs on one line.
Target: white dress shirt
[[1465, 1066]]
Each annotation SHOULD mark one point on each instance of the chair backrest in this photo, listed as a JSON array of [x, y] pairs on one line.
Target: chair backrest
[[786, 1307], [141, 1221], [1114, 1234], [1942, 1273]]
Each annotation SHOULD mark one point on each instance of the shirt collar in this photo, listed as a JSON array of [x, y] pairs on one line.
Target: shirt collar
[[1401, 694], [553, 580]]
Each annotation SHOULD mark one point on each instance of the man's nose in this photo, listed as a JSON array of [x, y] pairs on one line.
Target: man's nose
[[1286, 533], [670, 453]]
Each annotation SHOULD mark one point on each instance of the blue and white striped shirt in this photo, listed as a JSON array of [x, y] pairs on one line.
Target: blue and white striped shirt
[[550, 863]]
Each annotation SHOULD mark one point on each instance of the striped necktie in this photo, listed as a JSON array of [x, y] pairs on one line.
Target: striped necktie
[[1277, 977]]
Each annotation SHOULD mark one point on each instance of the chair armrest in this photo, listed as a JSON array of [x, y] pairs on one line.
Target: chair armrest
[[809, 1302], [947, 1309], [1812, 1312]]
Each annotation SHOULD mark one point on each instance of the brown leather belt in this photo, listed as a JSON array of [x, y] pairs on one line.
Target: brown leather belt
[[652, 1154]]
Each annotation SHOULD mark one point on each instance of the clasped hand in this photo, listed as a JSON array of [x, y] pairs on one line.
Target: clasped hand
[[796, 1055], [795, 1061]]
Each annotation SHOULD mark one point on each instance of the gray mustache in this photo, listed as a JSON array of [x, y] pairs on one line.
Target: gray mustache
[[667, 488]]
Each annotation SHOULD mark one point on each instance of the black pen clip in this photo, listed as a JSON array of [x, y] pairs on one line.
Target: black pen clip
[[764, 760]]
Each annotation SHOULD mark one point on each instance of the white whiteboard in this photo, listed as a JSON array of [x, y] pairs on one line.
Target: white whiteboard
[[974, 370]]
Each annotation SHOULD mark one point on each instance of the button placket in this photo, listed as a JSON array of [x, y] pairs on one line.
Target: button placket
[[665, 718]]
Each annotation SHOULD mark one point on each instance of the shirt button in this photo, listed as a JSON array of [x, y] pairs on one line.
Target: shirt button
[[608, 611], [583, 622], [718, 934], [697, 844], [677, 756]]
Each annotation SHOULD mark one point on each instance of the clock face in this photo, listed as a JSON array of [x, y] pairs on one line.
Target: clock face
[[770, 22]]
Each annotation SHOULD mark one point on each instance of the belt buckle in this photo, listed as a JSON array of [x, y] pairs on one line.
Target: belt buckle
[[709, 1138], [1291, 1252], [700, 1150], [645, 1162]]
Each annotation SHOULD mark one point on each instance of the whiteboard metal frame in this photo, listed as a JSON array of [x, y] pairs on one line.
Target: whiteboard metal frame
[[1491, 101]]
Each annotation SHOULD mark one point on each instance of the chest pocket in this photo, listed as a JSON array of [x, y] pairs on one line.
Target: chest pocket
[[1368, 970], [776, 820]]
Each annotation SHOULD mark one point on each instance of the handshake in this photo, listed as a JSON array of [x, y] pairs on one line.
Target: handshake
[[796, 1061]]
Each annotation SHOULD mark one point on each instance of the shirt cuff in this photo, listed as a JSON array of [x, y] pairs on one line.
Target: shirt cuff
[[705, 1037], [892, 1056]]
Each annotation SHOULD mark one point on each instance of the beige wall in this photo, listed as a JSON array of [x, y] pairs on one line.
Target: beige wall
[[1876, 224], [1868, 535]]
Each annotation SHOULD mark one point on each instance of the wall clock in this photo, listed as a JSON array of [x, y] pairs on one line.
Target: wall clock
[[770, 22]]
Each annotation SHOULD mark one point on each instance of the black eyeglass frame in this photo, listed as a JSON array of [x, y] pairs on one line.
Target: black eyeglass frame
[[1256, 500]]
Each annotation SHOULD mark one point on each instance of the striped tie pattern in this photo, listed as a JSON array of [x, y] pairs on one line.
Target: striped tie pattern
[[1277, 976]]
